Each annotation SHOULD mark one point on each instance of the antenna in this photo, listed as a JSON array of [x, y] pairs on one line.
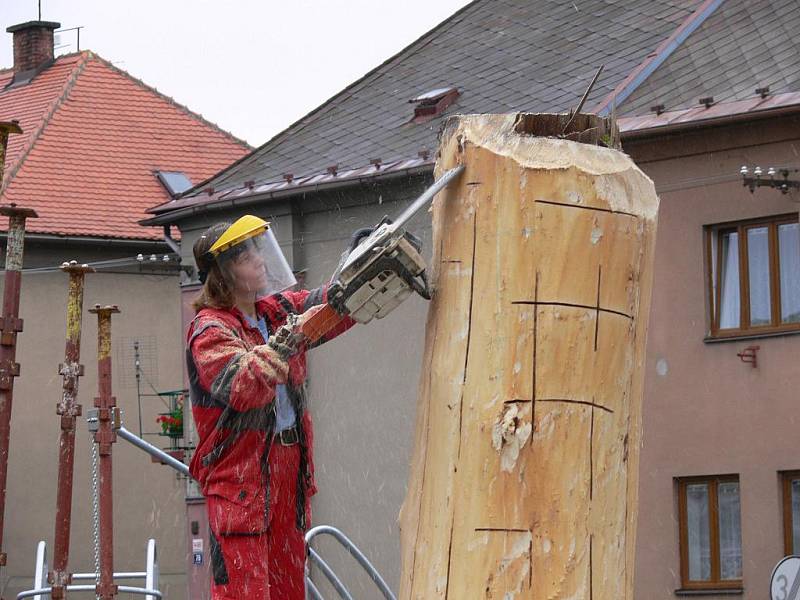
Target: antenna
[[77, 30], [40, 10]]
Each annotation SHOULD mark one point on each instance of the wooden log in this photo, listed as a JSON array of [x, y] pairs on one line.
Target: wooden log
[[524, 476]]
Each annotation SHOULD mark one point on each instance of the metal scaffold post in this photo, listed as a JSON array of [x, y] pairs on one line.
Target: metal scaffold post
[[68, 409], [108, 417], [11, 324]]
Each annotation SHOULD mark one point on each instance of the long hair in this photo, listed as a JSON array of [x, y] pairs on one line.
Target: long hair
[[216, 292]]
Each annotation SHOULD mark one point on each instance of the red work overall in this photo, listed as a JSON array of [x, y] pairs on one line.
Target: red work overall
[[258, 485]]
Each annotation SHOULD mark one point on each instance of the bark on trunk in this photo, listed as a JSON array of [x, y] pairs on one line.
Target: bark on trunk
[[524, 476]]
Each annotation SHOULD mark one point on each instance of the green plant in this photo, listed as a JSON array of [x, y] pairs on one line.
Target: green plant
[[172, 422]]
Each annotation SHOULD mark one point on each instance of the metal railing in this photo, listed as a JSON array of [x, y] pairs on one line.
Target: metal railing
[[150, 576], [153, 451], [315, 559], [91, 588]]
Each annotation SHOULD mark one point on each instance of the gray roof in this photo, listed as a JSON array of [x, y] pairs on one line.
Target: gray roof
[[741, 46], [537, 56], [503, 55]]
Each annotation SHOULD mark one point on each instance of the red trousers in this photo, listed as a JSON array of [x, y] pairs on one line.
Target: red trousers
[[270, 565]]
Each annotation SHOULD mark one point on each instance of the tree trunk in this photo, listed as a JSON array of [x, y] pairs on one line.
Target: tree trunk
[[524, 478]]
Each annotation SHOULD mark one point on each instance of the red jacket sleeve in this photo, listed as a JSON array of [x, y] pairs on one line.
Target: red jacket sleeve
[[234, 376]]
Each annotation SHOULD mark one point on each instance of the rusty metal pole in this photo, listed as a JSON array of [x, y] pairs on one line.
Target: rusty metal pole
[[108, 417], [68, 409], [10, 326], [11, 323]]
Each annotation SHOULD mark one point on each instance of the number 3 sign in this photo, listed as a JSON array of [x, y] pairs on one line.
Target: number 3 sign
[[785, 583]]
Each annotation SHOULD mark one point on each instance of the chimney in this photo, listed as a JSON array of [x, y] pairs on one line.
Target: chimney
[[33, 44]]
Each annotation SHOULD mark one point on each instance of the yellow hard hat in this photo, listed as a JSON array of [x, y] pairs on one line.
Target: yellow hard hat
[[243, 229]]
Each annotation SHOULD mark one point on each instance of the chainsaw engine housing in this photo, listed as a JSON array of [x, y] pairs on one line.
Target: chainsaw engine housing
[[381, 274]]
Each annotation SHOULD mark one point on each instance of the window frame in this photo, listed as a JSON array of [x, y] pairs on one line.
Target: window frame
[[715, 583], [786, 486], [713, 235]]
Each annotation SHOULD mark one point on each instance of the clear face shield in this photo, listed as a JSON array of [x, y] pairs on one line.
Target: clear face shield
[[256, 267]]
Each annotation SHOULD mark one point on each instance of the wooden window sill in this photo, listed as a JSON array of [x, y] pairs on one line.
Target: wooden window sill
[[709, 339], [710, 592]]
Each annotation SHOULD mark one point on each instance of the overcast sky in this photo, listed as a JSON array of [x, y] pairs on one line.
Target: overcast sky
[[251, 67]]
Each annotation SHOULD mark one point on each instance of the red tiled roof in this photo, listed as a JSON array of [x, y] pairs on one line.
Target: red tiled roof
[[93, 135]]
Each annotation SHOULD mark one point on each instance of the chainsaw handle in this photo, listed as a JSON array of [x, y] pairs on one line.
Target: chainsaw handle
[[355, 240], [358, 235]]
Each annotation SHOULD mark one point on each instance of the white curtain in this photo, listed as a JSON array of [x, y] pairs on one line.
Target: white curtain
[[730, 531], [699, 549], [789, 245], [795, 516], [729, 292], [758, 271]]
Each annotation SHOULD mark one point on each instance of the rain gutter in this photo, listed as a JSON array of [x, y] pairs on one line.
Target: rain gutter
[[731, 119], [172, 217]]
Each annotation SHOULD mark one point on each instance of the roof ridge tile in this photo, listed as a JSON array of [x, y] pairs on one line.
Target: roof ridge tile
[[658, 56], [182, 107], [306, 119], [86, 56], [86, 160]]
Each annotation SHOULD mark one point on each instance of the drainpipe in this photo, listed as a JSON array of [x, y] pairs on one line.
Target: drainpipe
[[169, 241]]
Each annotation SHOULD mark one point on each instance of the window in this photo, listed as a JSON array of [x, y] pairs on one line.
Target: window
[[710, 532], [791, 512], [754, 276]]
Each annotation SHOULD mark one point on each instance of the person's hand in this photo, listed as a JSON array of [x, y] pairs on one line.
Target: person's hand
[[286, 341], [271, 364]]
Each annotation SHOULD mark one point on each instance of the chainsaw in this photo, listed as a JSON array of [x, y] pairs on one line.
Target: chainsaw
[[381, 267]]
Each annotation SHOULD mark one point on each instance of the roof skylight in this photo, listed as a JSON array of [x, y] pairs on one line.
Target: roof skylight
[[433, 103], [175, 182]]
